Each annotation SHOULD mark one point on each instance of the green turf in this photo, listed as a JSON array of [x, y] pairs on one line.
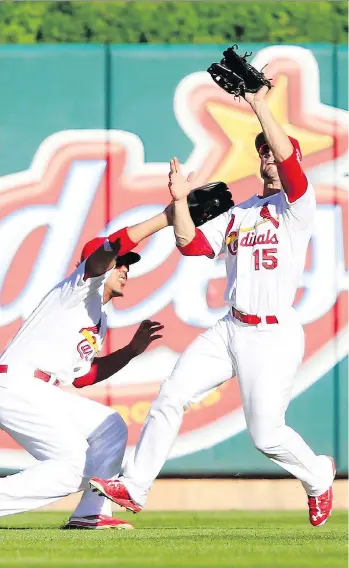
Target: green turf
[[167, 540]]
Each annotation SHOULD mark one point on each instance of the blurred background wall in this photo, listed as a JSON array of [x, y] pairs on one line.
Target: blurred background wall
[[96, 98]]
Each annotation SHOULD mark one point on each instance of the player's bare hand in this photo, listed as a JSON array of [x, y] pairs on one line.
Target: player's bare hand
[[145, 335], [253, 98], [179, 185]]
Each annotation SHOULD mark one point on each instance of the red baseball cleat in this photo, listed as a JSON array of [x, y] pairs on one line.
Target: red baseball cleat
[[116, 491], [320, 507], [97, 522]]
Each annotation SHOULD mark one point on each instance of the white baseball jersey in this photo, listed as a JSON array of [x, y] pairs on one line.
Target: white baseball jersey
[[265, 241], [65, 332]]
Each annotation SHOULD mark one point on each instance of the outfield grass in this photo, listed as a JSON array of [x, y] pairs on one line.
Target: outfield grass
[[167, 540]]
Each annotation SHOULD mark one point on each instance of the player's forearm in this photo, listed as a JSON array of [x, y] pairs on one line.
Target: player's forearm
[[104, 367], [127, 238], [184, 228], [275, 135], [114, 362], [143, 230]]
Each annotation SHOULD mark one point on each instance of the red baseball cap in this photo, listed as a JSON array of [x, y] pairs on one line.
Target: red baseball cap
[[94, 244], [260, 141]]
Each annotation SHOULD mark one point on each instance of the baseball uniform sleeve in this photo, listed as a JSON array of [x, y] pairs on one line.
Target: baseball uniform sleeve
[[215, 231], [126, 243], [75, 288], [199, 246], [299, 193]]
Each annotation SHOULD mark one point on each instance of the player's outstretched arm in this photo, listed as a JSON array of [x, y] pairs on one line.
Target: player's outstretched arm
[[104, 367], [275, 135], [143, 230], [287, 157], [123, 241]]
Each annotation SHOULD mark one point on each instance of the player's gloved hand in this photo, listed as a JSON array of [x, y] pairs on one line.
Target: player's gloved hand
[[253, 98], [209, 201], [236, 76], [144, 336]]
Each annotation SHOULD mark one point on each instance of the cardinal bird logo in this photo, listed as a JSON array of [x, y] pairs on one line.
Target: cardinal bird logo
[[265, 214]]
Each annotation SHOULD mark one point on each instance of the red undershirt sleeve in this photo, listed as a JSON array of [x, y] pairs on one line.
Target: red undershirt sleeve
[[126, 244], [293, 179], [199, 246], [89, 379]]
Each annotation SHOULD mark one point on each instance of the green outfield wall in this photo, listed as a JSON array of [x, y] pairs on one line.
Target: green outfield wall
[[98, 125]]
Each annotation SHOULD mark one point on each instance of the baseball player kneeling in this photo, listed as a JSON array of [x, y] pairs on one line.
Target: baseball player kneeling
[[72, 438]]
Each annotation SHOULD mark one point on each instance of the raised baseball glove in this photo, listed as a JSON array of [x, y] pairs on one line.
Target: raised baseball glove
[[235, 75], [209, 201]]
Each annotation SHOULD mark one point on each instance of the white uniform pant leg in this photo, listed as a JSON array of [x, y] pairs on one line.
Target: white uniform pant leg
[[106, 433], [33, 413], [267, 362], [204, 365]]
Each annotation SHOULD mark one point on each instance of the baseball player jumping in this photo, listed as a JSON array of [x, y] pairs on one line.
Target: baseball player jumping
[[260, 339], [72, 437]]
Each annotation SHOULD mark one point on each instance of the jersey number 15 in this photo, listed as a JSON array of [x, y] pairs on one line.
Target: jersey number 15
[[266, 257]]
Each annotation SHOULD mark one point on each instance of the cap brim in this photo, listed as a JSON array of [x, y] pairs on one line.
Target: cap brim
[[128, 258]]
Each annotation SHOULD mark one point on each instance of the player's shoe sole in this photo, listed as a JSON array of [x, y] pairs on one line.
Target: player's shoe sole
[[116, 492], [96, 522]]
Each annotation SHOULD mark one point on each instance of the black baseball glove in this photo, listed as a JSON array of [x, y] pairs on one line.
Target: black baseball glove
[[235, 75], [209, 201]]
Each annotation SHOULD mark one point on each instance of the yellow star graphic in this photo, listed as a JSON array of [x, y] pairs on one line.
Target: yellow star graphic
[[242, 127]]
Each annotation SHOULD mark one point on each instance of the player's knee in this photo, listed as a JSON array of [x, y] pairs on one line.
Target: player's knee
[[261, 444], [74, 464], [170, 398], [265, 441]]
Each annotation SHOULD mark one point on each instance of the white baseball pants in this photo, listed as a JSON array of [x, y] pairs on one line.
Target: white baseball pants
[[73, 438], [265, 359]]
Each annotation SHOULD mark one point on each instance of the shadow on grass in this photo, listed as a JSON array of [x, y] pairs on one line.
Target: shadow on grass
[[2, 528]]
